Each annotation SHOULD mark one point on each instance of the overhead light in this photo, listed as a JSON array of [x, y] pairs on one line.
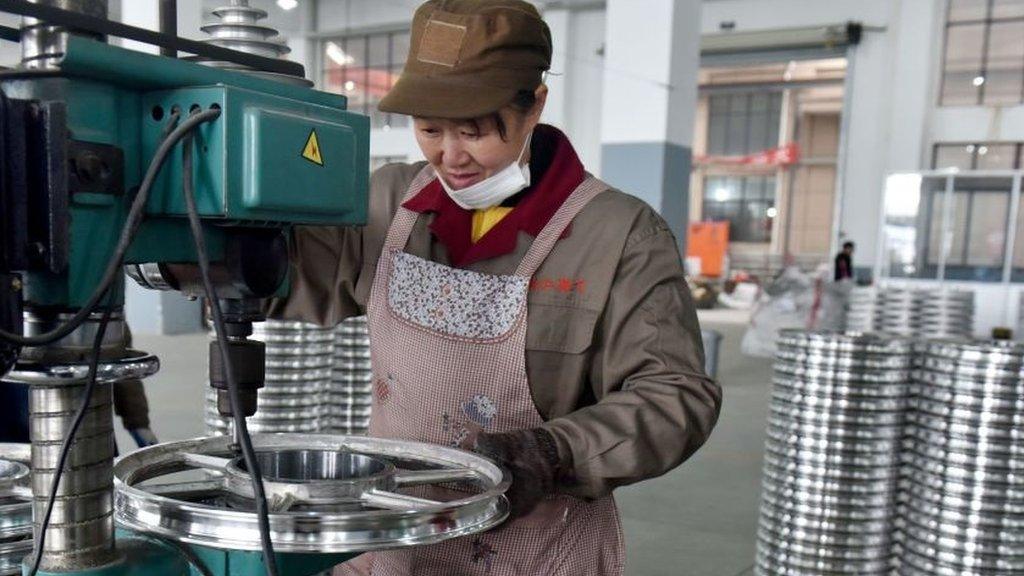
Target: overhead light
[[337, 55], [982, 150], [978, 80], [350, 85], [970, 148], [721, 194], [287, 4], [773, 212]]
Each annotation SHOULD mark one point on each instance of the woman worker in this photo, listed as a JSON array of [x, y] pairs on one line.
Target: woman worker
[[517, 305]]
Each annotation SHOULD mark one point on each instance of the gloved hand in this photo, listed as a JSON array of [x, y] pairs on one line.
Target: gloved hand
[[532, 457], [143, 437]]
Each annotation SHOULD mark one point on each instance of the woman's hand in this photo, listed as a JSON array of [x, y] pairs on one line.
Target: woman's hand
[[532, 457]]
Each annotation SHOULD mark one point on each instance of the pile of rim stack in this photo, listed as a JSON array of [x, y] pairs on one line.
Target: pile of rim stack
[[897, 312], [862, 309], [351, 387], [15, 508], [945, 314], [298, 372], [941, 313], [832, 456], [963, 505]]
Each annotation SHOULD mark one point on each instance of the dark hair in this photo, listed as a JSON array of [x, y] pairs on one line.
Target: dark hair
[[848, 245], [522, 102]]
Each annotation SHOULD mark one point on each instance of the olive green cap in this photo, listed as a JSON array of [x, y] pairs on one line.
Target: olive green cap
[[469, 58]]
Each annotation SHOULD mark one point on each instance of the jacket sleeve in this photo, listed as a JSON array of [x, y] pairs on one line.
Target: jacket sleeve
[[655, 406], [332, 267], [324, 267]]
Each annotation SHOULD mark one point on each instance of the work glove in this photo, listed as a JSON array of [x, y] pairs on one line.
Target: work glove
[[532, 457], [143, 437]]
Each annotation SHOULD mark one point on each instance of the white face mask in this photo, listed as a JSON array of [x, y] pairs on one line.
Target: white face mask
[[495, 189]]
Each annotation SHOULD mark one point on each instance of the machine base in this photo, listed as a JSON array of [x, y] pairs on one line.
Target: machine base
[[139, 555]]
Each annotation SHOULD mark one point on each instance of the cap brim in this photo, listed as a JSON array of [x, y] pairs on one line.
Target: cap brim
[[429, 97]]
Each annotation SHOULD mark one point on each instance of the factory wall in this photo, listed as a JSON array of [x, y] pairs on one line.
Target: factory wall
[[881, 105]]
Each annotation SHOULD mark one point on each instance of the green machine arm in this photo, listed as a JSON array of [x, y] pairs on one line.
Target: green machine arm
[[76, 143], [279, 155]]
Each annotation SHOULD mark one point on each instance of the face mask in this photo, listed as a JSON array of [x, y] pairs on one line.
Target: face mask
[[495, 189]]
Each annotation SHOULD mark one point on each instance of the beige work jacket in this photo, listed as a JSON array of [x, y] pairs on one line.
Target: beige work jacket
[[614, 353]]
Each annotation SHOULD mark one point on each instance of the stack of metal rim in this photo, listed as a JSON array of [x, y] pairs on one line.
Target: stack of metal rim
[[862, 309], [298, 371], [924, 313], [15, 507], [832, 457], [963, 508], [351, 389], [945, 314], [898, 312]]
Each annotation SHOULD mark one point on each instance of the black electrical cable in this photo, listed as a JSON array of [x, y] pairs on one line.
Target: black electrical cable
[[128, 232], [69, 438], [234, 395]]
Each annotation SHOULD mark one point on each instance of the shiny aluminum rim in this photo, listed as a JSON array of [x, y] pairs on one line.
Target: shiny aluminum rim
[[838, 341], [936, 529], [832, 402], [11, 555], [816, 566], [822, 538], [135, 365], [401, 520]]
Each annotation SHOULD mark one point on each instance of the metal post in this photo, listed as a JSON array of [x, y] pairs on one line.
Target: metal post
[[81, 530], [43, 45], [169, 24], [946, 238], [1011, 240], [80, 533], [843, 155]]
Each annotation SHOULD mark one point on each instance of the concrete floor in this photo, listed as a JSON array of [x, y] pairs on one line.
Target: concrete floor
[[698, 520]]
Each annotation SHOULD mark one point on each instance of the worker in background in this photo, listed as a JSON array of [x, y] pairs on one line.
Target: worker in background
[[517, 305], [844, 262]]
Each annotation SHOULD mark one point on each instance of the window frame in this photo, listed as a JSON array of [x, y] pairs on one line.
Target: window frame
[[1018, 154], [987, 22], [393, 64]]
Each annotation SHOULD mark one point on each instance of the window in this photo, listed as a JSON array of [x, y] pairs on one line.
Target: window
[[364, 68], [978, 155], [747, 203], [743, 123], [740, 124], [983, 61], [947, 227], [975, 238]]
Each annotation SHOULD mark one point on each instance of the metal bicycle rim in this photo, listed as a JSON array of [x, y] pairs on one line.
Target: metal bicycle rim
[[309, 531]]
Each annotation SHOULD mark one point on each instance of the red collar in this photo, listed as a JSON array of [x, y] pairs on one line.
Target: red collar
[[452, 225]]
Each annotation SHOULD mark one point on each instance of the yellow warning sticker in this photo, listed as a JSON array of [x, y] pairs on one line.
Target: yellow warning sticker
[[311, 151]]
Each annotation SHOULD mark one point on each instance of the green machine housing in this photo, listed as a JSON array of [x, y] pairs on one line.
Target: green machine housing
[[278, 155]]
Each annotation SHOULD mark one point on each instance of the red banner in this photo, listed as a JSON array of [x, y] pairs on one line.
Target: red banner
[[781, 156]]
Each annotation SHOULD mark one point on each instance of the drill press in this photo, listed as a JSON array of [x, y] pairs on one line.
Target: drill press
[[189, 173]]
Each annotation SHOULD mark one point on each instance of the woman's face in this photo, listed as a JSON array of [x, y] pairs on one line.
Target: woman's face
[[465, 152]]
